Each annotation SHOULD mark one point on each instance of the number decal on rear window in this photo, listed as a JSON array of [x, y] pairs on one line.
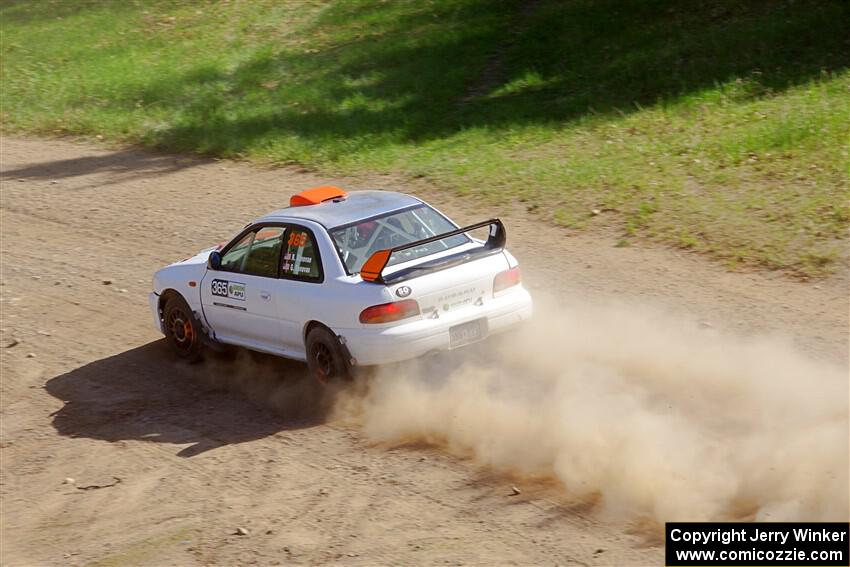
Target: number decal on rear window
[[297, 239], [300, 257]]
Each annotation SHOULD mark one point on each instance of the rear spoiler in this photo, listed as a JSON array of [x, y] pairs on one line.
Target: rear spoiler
[[372, 270]]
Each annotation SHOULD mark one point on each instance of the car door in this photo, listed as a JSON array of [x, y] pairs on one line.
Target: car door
[[299, 290], [240, 298]]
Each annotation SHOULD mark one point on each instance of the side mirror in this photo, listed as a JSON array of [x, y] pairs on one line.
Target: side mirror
[[214, 261]]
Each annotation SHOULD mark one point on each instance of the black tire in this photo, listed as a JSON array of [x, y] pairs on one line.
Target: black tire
[[326, 357], [182, 329]]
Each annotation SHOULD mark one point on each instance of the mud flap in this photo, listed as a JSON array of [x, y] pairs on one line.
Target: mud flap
[[347, 353]]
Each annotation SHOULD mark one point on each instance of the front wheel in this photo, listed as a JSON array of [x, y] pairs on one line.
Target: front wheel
[[326, 358], [182, 329]]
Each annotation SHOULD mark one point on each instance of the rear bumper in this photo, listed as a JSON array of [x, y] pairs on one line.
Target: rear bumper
[[385, 345]]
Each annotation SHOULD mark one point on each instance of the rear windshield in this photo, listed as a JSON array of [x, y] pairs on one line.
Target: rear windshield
[[357, 242]]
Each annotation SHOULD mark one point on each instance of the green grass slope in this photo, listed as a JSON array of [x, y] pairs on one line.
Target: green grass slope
[[715, 125]]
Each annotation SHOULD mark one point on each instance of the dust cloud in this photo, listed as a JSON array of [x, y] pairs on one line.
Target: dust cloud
[[282, 386], [644, 413]]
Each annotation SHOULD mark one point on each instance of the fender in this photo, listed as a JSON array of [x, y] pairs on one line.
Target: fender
[[205, 281]]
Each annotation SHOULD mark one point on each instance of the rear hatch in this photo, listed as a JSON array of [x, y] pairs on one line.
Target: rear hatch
[[448, 284]]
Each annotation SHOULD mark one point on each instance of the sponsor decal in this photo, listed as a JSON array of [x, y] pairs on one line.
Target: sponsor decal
[[236, 291], [457, 294], [457, 298], [228, 289], [403, 291], [292, 257]]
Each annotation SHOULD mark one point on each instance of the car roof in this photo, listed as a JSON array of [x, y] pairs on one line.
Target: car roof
[[359, 205]]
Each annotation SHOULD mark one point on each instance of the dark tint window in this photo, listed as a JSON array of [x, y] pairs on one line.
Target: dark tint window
[[265, 252], [300, 256], [234, 259], [257, 253]]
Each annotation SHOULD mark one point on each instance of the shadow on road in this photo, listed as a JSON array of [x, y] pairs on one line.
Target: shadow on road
[[144, 394], [124, 164]]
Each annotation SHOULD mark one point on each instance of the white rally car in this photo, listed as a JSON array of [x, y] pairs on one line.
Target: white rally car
[[344, 279]]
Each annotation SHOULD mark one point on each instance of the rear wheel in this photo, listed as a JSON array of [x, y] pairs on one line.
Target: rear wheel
[[182, 329], [326, 357]]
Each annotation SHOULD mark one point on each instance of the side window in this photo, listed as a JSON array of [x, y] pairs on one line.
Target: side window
[[234, 259], [300, 256], [265, 252], [257, 253]]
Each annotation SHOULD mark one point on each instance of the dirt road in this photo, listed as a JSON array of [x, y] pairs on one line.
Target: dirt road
[[112, 453]]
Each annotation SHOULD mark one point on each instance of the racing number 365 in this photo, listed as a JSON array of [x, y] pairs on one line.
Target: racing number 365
[[219, 287], [298, 239]]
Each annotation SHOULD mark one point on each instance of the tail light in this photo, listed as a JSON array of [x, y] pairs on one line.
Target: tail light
[[388, 312], [506, 279]]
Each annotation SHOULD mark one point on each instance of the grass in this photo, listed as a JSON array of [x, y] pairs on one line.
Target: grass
[[719, 126]]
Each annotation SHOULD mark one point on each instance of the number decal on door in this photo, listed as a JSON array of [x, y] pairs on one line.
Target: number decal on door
[[219, 287], [224, 288]]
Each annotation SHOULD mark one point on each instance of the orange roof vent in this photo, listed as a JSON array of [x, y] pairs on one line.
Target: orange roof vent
[[317, 195]]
